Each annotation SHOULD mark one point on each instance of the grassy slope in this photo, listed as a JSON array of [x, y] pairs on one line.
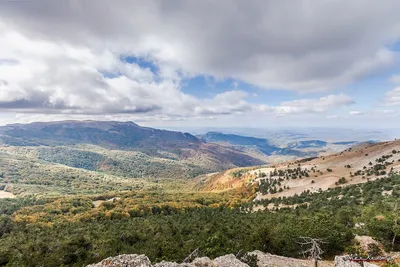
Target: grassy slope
[[356, 165]]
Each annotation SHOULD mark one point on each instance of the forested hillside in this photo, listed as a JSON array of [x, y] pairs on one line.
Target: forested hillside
[[77, 203], [73, 231], [120, 148]]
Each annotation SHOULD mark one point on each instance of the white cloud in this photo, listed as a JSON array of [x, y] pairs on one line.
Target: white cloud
[[310, 105], [65, 60], [226, 103], [395, 79], [393, 97], [355, 112], [51, 77], [386, 111], [240, 40], [332, 116]]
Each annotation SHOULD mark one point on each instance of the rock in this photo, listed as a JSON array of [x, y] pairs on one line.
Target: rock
[[270, 260], [228, 261], [133, 260], [340, 261], [125, 260], [172, 264], [203, 262], [367, 242]]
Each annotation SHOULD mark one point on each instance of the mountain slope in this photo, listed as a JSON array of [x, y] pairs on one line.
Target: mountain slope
[[108, 134], [238, 140], [263, 148], [359, 164], [309, 144], [122, 148]]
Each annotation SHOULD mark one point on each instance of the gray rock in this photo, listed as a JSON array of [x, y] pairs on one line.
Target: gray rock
[[125, 260], [340, 261], [203, 262], [270, 260], [172, 264], [229, 261], [134, 260]]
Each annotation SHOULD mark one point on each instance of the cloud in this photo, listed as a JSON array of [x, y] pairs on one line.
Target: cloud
[[395, 79], [64, 60], [332, 116], [386, 111], [271, 44], [51, 77], [392, 97], [225, 103], [319, 105], [355, 112]]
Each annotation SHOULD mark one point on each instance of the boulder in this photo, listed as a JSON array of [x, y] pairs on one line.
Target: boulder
[[125, 260], [133, 260], [340, 261]]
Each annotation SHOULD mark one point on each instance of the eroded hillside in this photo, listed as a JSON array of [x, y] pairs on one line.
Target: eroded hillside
[[359, 164]]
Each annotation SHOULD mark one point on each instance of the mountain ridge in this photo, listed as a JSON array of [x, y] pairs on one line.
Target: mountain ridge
[[360, 163], [123, 147]]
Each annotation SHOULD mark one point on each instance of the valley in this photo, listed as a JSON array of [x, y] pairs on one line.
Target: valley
[[74, 193]]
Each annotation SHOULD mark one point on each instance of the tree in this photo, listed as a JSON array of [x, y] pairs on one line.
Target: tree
[[395, 230], [314, 251]]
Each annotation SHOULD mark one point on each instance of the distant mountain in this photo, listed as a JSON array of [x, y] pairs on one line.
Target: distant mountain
[[148, 151], [237, 140], [307, 144], [344, 143], [261, 145], [108, 134]]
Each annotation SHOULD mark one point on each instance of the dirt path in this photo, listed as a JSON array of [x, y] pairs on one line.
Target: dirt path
[[4, 194]]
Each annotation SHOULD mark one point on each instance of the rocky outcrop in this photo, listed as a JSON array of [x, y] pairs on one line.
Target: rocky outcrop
[[125, 260], [263, 260], [133, 260], [340, 261], [270, 260]]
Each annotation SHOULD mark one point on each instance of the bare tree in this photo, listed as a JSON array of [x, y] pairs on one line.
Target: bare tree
[[396, 216], [194, 254], [314, 250]]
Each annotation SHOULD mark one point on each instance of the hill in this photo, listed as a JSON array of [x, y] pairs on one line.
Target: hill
[[276, 150], [312, 143], [80, 214], [361, 163], [237, 140], [108, 134], [261, 145], [120, 148]]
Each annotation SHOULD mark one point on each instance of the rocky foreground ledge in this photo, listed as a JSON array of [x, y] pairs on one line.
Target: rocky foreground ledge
[[264, 260]]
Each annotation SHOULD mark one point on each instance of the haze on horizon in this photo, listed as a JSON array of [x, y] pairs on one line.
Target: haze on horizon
[[179, 63]]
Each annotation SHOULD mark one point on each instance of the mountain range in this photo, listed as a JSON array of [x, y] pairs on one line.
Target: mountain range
[[129, 150], [123, 148]]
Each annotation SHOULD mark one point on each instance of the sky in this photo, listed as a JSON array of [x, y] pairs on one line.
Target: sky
[[187, 63]]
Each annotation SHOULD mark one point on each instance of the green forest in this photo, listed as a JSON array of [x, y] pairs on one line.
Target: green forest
[[168, 226]]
